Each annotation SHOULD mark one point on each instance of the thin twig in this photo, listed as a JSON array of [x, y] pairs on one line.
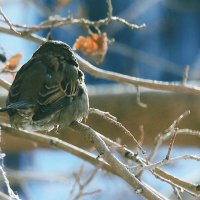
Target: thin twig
[[177, 192], [171, 144], [165, 162], [166, 135], [91, 177], [129, 25], [7, 21], [10, 191], [186, 74], [17, 176], [139, 102], [77, 179], [82, 186], [186, 131], [141, 140], [4, 84], [58, 21], [193, 189], [110, 9], [4, 196], [180, 118], [54, 22], [91, 193], [113, 120]]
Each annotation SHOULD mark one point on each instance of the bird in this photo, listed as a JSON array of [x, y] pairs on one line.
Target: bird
[[48, 91]]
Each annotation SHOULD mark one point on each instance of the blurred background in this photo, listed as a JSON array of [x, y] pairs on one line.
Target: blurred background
[[161, 51]]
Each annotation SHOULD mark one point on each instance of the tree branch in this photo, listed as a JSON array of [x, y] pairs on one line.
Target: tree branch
[[111, 119], [117, 77], [56, 143], [165, 162], [4, 196], [114, 165]]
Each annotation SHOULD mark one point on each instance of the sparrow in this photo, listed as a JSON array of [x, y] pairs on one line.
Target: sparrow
[[48, 91]]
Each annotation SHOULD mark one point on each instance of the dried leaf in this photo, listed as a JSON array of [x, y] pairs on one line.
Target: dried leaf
[[63, 2], [12, 63], [95, 46]]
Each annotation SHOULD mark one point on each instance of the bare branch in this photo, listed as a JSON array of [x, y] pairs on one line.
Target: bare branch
[[103, 145], [188, 132], [139, 102], [110, 9], [141, 128], [4, 196], [77, 179], [91, 193], [117, 77], [31, 37], [117, 166], [177, 192], [174, 133], [129, 25], [188, 187], [177, 121], [92, 136], [56, 143], [152, 84], [5, 84], [165, 162], [166, 135], [193, 189], [186, 74], [58, 21], [82, 186], [114, 121], [105, 115], [10, 191], [7, 21]]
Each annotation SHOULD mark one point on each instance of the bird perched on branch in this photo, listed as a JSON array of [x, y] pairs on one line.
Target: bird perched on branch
[[48, 91]]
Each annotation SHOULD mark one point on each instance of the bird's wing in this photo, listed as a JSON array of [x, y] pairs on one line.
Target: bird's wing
[[25, 87], [59, 88], [15, 89]]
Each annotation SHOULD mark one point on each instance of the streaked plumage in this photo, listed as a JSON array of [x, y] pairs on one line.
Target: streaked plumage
[[48, 90]]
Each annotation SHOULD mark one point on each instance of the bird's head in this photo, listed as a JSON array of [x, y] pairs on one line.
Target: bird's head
[[57, 48]]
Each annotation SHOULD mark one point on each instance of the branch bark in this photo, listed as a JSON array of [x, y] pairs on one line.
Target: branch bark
[[59, 144], [112, 164], [117, 77], [4, 196]]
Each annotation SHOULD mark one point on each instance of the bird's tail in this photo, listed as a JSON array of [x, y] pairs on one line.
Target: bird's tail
[[3, 109], [16, 105]]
